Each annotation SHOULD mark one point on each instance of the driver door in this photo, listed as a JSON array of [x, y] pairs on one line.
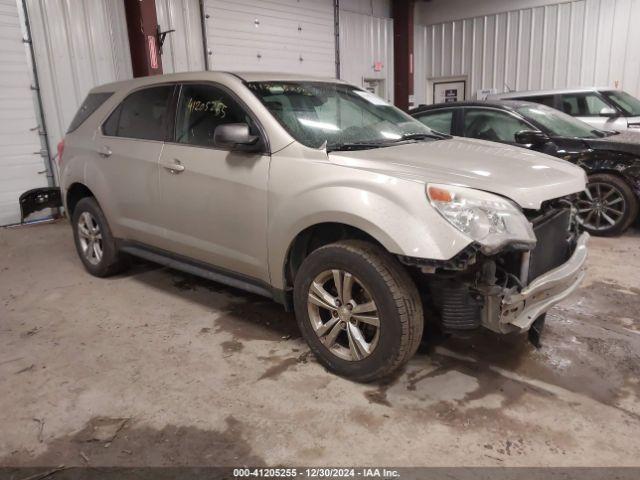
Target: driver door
[[215, 199]]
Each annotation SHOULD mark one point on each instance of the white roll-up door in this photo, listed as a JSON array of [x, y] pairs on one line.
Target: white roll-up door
[[21, 163], [295, 36]]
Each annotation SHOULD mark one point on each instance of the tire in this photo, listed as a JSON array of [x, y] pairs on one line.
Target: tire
[[380, 288], [608, 207], [90, 227]]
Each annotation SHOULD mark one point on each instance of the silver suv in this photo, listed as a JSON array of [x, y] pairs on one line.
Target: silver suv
[[323, 197], [602, 108]]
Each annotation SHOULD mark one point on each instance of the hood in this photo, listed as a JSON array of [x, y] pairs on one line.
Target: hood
[[526, 177], [627, 142]]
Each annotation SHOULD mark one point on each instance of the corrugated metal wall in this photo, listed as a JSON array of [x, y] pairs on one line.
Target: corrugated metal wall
[[78, 44], [580, 43], [364, 40], [21, 163], [296, 36], [182, 50]]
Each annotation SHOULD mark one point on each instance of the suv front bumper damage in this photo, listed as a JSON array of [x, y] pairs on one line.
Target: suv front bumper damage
[[516, 311]]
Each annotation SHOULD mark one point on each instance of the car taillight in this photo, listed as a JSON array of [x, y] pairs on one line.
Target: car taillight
[[60, 151]]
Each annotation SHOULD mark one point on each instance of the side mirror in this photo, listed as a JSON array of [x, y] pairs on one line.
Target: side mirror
[[608, 112], [235, 136], [531, 137]]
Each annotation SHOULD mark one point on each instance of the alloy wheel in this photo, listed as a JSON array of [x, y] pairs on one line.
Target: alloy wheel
[[90, 238], [601, 206], [343, 314]]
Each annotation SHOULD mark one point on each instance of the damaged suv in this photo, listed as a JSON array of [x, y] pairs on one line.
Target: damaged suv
[[327, 199]]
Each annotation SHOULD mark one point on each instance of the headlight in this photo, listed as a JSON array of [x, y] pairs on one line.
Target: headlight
[[490, 220]]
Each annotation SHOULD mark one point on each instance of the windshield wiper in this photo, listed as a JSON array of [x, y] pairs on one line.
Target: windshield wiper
[[423, 135], [356, 146]]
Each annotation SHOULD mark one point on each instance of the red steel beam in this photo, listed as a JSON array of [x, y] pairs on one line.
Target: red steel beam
[[402, 11], [142, 25]]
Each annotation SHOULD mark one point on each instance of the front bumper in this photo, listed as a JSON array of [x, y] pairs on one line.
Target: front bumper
[[517, 311]]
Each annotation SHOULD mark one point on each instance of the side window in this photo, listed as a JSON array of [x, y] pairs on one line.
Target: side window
[[438, 120], [493, 125], [90, 105], [545, 100], [201, 109], [143, 115], [582, 104]]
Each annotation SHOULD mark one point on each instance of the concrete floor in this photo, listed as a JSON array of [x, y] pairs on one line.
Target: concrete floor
[[157, 368]]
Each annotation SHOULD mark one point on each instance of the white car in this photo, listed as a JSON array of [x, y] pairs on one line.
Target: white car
[[602, 108]]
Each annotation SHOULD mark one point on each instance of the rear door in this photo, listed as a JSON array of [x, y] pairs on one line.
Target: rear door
[[128, 149], [215, 200]]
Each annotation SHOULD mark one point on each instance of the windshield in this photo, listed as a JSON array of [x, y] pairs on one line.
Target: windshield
[[340, 115], [625, 102], [557, 123]]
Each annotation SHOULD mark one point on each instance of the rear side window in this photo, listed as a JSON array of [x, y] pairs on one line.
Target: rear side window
[[90, 105], [583, 104], [143, 115], [439, 120]]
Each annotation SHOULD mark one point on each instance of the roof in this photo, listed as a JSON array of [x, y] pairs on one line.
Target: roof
[[211, 76], [535, 93], [501, 104]]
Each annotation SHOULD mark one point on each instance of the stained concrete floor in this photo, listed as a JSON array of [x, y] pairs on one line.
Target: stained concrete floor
[[154, 367]]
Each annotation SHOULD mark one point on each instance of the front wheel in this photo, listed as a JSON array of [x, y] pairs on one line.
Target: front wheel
[[608, 205], [358, 310]]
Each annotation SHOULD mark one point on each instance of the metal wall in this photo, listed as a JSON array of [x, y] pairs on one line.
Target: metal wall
[[296, 36], [78, 44], [366, 44], [570, 44], [183, 49]]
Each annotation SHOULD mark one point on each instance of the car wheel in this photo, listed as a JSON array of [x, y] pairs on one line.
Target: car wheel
[[94, 242], [358, 310], [608, 205]]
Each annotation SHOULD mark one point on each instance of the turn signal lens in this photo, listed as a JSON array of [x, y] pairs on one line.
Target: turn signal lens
[[60, 151], [439, 194]]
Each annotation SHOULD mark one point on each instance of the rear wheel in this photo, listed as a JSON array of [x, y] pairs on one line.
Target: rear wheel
[[358, 310], [608, 205], [94, 242]]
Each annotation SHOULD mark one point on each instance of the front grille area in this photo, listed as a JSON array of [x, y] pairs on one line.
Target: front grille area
[[554, 245]]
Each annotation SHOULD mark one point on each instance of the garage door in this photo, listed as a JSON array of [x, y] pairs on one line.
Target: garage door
[[21, 164], [295, 36]]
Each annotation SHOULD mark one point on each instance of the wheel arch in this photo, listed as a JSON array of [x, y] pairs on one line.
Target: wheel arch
[[76, 192]]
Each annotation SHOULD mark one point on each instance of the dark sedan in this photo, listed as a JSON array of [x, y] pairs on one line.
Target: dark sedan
[[611, 159]]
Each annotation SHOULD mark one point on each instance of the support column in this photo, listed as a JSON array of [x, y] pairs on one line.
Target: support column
[[142, 25], [402, 11]]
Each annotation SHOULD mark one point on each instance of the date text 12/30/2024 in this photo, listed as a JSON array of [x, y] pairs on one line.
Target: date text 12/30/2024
[[317, 472]]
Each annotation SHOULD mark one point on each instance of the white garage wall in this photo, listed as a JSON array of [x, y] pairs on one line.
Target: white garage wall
[[570, 44], [78, 44], [182, 50], [21, 163], [366, 37], [296, 36]]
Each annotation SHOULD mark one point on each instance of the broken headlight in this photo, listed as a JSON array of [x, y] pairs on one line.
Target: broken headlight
[[488, 219]]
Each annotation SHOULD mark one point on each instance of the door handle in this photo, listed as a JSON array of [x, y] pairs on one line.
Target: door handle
[[175, 167], [105, 152]]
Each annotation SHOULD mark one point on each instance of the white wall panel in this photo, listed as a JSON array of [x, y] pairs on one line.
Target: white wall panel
[[78, 44], [20, 160], [183, 49], [365, 40], [545, 45], [296, 36]]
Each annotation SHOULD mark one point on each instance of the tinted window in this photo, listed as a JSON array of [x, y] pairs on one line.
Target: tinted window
[[439, 120], [201, 109], [492, 125], [545, 100], [582, 104], [90, 105], [142, 114]]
